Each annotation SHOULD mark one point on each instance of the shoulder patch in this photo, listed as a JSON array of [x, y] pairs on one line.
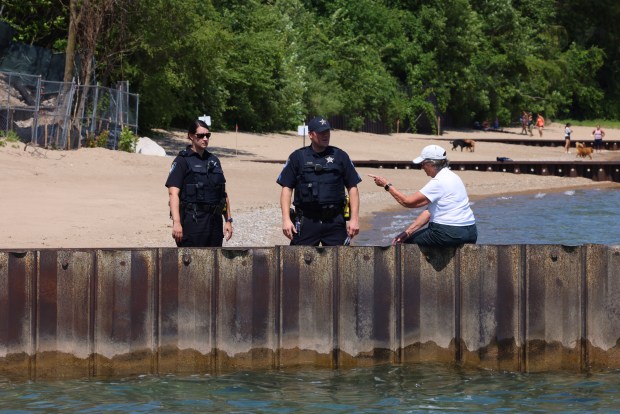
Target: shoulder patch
[[174, 164]]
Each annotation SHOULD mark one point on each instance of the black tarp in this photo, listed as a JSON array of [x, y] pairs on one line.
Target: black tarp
[[20, 57]]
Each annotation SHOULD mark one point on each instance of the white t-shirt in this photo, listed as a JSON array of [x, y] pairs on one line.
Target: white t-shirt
[[449, 202]]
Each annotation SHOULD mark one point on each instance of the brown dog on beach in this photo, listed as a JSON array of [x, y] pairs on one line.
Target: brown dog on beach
[[472, 144], [583, 151], [469, 144]]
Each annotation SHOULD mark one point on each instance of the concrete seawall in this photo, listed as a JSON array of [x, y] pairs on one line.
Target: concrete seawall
[[96, 313]]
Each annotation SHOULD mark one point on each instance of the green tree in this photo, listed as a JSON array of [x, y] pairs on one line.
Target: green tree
[[263, 80], [38, 22], [346, 63], [175, 60], [265, 65], [593, 27]]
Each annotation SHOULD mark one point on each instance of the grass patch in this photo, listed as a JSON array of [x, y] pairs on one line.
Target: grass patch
[[604, 123]]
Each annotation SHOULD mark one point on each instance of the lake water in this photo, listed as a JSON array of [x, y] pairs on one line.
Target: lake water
[[382, 389], [572, 217]]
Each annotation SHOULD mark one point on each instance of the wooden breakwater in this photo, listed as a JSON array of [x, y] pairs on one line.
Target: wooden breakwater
[[593, 170], [96, 312]]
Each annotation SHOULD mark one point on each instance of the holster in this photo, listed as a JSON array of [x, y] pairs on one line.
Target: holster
[[296, 218]]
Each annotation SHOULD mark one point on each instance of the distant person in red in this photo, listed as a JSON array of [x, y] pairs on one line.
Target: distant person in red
[[540, 124]]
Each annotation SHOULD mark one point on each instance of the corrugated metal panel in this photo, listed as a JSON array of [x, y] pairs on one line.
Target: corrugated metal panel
[[554, 304], [185, 318], [307, 283], [17, 310], [429, 325], [367, 306], [64, 310], [246, 308], [602, 306], [125, 312]]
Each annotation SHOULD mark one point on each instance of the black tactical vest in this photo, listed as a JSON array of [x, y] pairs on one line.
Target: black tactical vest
[[320, 182], [205, 183]]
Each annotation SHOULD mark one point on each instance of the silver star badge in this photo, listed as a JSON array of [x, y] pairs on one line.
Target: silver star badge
[[329, 159], [323, 122]]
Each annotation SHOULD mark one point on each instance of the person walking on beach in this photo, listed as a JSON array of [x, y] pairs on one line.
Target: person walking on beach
[[450, 220], [598, 134], [567, 132], [318, 175], [540, 124], [530, 122], [523, 120], [199, 205]]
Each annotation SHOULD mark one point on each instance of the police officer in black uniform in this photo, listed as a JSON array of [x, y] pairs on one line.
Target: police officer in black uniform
[[199, 205], [318, 174]]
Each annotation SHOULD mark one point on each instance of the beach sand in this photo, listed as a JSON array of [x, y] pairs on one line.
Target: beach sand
[[97, 198]]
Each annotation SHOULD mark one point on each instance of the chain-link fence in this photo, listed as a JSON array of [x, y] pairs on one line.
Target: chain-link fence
[[64, 115]]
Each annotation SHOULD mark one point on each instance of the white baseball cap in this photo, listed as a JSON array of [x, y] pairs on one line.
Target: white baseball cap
[[431, 152]]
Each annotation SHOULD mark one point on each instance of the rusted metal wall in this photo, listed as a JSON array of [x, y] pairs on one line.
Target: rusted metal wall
[[86, 313]]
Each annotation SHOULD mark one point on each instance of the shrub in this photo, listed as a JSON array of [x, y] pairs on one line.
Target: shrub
[[102, 139], [10, 136], [127, 141]]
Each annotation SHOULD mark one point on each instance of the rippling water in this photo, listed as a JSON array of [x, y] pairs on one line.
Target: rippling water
[[382, 389], [572, 218]]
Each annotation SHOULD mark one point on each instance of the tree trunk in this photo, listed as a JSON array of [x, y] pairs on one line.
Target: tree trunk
[[74, 21]]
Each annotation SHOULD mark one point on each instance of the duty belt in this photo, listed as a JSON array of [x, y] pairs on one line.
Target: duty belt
[[320, 212], [208, 208]]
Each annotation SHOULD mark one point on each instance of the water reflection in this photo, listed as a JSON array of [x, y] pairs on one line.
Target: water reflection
[[391, 389]]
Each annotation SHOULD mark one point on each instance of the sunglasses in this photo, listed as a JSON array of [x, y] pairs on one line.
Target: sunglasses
[[202, 136]]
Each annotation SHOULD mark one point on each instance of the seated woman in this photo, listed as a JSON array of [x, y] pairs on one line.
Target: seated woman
[[450, 220]]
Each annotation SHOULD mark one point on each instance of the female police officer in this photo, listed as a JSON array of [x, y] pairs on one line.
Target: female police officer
[[198, 199]]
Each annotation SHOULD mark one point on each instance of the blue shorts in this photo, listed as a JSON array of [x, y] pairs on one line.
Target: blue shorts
[[444, 235]]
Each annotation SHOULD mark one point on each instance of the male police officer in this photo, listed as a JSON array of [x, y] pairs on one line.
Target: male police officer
[[318, 174]]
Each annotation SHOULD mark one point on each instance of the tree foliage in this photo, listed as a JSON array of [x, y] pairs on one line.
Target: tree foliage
[[268, 65], [38, 22]]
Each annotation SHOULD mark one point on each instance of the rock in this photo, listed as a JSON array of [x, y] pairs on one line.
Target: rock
[[147, 146]]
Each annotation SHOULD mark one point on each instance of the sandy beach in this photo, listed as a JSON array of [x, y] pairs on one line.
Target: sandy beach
[[97, 198]]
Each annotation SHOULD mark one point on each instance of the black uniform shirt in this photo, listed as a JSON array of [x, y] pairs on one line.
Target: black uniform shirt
[[179, 171], [293, 167]]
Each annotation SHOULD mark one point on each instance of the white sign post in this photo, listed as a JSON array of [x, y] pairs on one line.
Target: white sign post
[[302, 130], [206, 119]]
